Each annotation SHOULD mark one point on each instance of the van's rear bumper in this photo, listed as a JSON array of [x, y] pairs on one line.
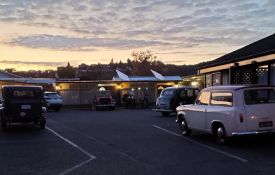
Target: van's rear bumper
[[253, 132]]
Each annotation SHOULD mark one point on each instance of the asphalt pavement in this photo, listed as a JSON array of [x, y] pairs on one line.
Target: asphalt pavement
[[127, 142]]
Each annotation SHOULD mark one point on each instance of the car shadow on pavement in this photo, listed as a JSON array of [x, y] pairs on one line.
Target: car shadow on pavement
[[21, 128], [251, 141]]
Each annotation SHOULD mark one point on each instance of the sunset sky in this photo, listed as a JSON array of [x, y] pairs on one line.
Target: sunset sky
[[42, 34]]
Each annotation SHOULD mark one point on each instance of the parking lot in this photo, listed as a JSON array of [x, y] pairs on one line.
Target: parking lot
[[127, 141]]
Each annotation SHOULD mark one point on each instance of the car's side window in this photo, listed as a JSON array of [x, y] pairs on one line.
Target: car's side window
[[221, 99], [182, 93], [168, 93], [190, 93], [203, 99], [197, 92]]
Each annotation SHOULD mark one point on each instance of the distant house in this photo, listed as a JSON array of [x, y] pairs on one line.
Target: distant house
[[252, 64], [7, 78]]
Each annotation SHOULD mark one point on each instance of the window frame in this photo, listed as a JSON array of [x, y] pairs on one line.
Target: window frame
[[229, 92], [182, 91], [199, 97], [168, 90]]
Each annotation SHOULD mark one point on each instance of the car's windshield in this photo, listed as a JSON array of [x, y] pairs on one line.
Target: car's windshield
[[259, 96]]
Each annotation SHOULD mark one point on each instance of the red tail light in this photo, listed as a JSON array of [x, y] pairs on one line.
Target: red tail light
[[241, 118]]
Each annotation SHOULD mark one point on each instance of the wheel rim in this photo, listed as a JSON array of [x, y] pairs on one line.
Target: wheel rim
[[183, 127], [220, 134]]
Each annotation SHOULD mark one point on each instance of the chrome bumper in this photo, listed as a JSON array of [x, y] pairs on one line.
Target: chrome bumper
[[162, 110], [252, 132]]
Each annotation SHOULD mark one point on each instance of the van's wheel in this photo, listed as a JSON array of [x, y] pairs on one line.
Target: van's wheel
[[220, 134], [165, 113], [184, 128], [4, 125]]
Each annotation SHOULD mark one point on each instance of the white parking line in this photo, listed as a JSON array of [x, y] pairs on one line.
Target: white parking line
[[75, 167], [91, 157], [204, 145], [165, 130]]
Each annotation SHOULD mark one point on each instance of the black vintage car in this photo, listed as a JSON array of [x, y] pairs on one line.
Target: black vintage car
[[22, 104], [170, 98]]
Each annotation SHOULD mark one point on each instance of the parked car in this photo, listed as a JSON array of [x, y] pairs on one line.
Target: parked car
[[22, 104], [170, 98], [53, 100], [227, 111], [104, 100]]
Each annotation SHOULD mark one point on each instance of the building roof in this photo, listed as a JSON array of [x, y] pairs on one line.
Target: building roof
[[261, 47], [8, 75], [30, 80], [235, 87], [157, 77]]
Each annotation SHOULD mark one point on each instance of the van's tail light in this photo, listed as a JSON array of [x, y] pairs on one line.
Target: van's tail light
[[241, 118]]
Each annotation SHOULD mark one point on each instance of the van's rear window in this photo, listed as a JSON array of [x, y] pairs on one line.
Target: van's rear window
[[259, 96], [23, 93]]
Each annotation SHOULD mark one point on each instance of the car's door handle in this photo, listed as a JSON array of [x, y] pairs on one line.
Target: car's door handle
[[205, 110]]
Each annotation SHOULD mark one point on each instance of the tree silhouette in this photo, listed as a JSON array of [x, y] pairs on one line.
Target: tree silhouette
[[143, 62]]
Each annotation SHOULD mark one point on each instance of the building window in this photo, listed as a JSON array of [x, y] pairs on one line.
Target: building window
[[272, 74], [208, 80], [225, 77], [262, 74], [216, 79]]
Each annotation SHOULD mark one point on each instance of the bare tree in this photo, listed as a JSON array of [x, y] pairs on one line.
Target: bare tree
[[142, 62]]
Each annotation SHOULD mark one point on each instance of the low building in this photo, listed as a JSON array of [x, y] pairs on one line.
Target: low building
[[252, 64], [83, 92]]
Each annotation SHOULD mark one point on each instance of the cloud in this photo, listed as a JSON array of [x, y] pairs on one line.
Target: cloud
[[169, 53], [60, 42], [166, 25], [33, 63]]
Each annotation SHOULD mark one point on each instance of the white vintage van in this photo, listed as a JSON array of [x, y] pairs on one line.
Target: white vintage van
[[226, 111]]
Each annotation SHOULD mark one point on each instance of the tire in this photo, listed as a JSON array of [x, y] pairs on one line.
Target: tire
[[4, 125], [42, 124], [220, 134], [165, 113], [185, 131]]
